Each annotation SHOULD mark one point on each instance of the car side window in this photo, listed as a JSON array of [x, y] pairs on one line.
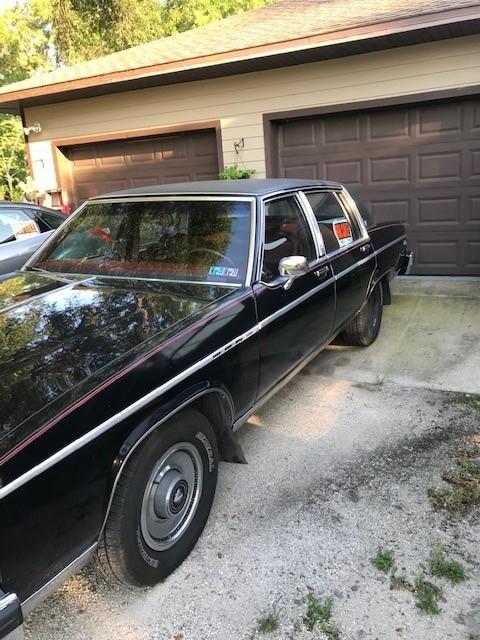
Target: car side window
[[48, 221], [336, 229], [286, 234], [15, 224]]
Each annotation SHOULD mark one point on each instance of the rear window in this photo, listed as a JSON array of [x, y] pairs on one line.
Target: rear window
[[336, 229], [194, 240]]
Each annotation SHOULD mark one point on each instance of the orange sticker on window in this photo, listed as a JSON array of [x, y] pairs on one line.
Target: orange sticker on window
[[343, 232]]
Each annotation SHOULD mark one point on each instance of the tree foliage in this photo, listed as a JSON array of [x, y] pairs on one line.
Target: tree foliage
[[86, 29], [38, 35], [180, 15], [13, 166]]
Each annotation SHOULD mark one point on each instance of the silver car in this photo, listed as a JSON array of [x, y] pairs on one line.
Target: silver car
[[23, 228]]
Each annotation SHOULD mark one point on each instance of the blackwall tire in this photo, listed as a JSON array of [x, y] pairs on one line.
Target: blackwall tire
[[364, 328], [162, 501]]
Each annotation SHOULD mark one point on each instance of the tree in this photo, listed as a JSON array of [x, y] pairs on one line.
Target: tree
[[85, 29], [24, 40], [13, 166], [181, 15]]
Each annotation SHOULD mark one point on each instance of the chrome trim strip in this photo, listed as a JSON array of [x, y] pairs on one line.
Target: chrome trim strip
[[349, 206], [121, 415], [7, 600], [170, 198], [313, 224], [99, 276], [355, 265], [266, 321], [49, 587]]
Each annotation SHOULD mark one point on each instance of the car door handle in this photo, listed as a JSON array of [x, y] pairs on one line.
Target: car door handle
[[322, 273], [365, 248]]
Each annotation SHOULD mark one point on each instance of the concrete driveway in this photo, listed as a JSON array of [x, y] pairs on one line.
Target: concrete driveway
[[340, 464]]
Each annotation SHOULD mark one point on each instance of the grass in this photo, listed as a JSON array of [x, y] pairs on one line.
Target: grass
[[269, 621], [384, 560], [321, 614], [470, 399], [441, 567], [427, 596], [464, 491]]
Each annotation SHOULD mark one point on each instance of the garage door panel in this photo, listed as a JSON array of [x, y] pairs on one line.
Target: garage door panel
[[341, 130], [441, 118], [389, 169], [387, 126], [345, 171], [390, 210], [102, 167], [418, 165]]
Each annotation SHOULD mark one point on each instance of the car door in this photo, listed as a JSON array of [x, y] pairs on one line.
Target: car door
[[293, 321], [20, 236], [348, 245]]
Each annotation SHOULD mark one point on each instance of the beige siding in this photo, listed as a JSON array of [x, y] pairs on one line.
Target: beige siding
[[239, 102]]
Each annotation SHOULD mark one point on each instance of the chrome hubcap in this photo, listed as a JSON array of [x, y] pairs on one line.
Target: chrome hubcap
[[171, 496]]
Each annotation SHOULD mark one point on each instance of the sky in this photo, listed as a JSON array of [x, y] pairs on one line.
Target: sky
[[6, 3]]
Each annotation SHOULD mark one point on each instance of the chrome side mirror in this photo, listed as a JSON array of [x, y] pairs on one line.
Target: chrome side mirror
[[292, 267]]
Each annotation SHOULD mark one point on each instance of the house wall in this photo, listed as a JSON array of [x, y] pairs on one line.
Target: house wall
[[239, 102]]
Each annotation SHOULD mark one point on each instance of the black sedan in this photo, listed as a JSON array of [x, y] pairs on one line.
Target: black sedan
[[141, 335]]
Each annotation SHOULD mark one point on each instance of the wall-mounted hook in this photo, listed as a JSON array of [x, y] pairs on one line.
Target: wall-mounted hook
[[239, 144]]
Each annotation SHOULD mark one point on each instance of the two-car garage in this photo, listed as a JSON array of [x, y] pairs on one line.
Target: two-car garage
[[419, 165]]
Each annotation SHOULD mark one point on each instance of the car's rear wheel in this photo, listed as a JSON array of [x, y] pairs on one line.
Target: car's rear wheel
[[162, 501], [364, 328]]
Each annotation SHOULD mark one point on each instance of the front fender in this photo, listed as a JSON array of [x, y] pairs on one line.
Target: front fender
[[229, 449]]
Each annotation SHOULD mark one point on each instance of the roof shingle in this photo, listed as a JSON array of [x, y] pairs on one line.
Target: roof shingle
[[280, 22]]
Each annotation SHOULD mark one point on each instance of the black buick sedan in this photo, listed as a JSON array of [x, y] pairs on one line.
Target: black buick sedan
[[134, 343]]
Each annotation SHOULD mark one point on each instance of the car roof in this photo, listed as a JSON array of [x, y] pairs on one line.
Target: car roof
[[250, 187], [28, 205]]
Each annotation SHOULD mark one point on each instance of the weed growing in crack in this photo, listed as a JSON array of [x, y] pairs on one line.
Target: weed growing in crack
[[321, 614], [441, 567], [269, 621], [465, 488], [427, 596], [383, 560]]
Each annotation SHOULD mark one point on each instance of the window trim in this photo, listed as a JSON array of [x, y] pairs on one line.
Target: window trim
[[347, 205], [251, 200], [271, 198]]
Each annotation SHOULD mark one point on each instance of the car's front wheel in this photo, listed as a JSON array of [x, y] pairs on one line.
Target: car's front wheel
[[364, 328], [162, 501]]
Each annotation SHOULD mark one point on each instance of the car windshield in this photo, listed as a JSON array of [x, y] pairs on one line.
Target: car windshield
[[193, 240]]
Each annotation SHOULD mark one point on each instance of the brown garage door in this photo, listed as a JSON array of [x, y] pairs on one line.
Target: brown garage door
[[109, 166], [419, 165]]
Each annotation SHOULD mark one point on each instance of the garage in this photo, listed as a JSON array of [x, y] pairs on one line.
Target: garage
[[121, 164], [417, 164]]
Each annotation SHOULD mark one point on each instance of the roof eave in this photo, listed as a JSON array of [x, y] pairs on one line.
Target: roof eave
[[440, 25]]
